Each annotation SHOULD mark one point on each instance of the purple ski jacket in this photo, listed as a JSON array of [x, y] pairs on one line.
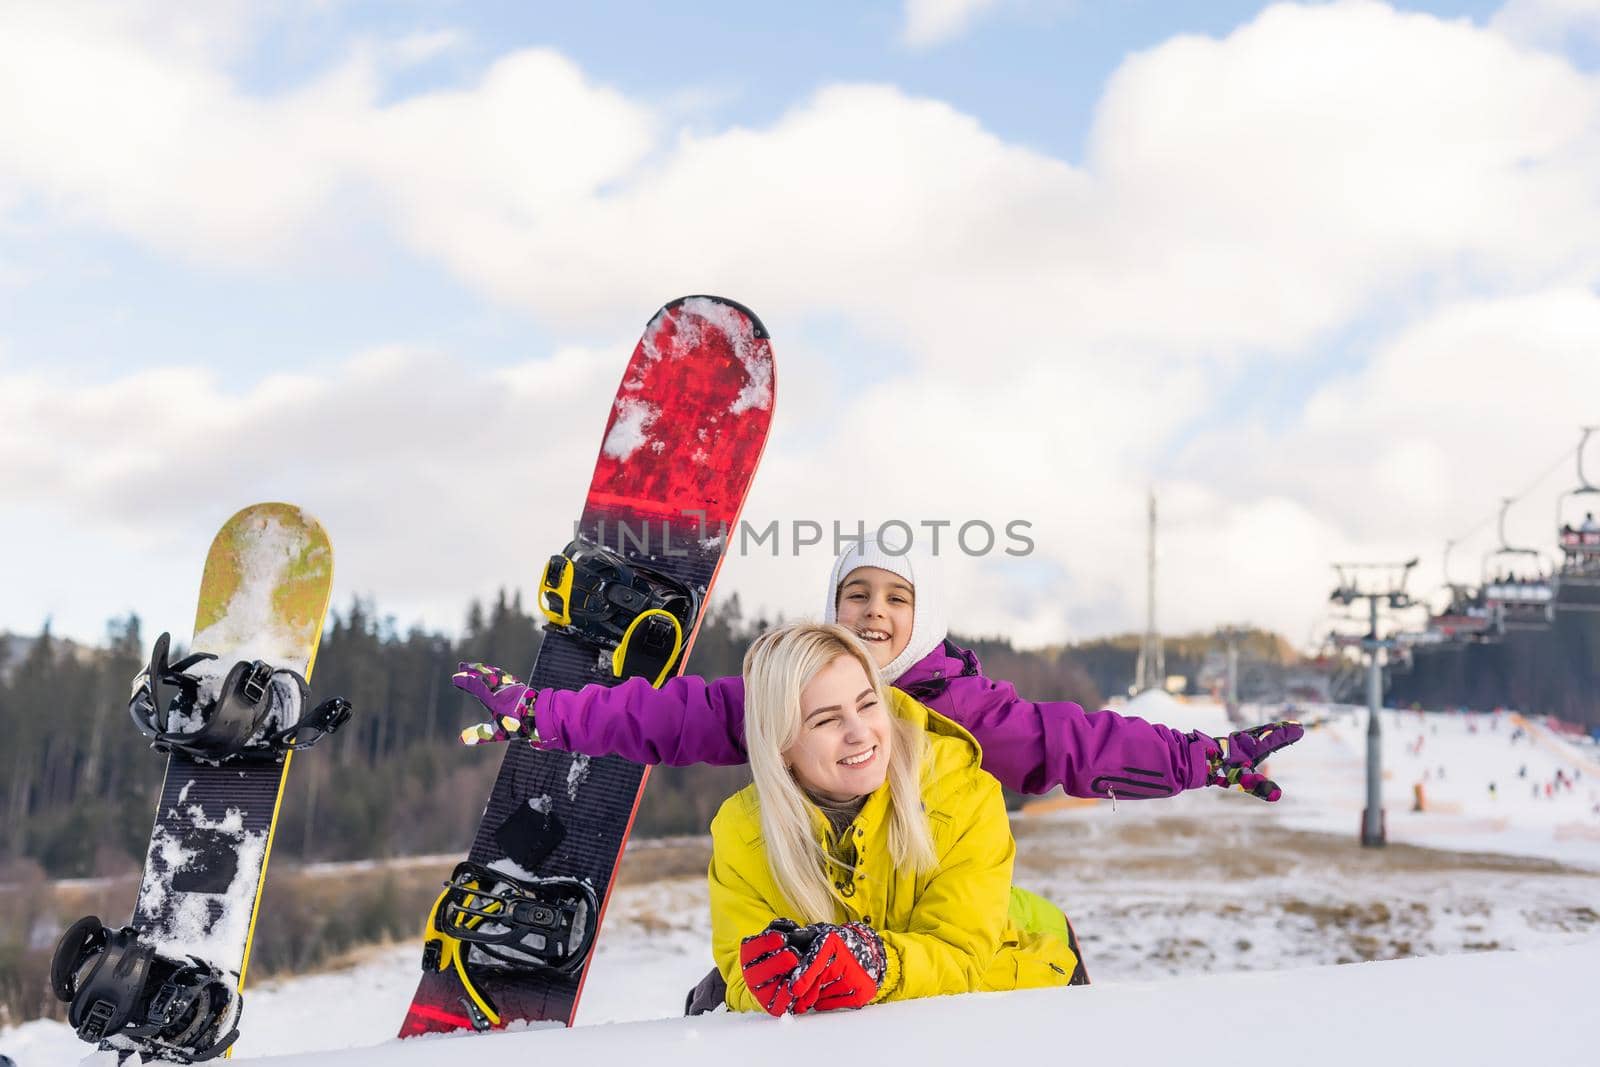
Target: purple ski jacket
[[1030, 746]]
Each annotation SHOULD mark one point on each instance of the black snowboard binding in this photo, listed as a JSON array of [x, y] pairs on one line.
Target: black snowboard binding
[[125, 993], [254, 711], [486, 921], [639, 615]]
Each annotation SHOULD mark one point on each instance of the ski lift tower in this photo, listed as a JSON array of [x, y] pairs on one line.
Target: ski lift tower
[[1377, 584], [1230, 636], [1150, 672]]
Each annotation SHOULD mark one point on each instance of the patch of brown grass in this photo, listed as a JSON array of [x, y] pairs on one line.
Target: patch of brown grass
[[664, 858]]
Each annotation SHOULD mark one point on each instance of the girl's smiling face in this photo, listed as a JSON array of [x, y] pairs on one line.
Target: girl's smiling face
[[842, 751], [879, 606]]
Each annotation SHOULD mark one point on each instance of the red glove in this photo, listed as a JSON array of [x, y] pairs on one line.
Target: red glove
[[841, 969], [768, 961]]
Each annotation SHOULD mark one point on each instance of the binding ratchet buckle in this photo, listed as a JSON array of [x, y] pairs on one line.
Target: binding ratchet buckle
[[486, 921], [638, 614]]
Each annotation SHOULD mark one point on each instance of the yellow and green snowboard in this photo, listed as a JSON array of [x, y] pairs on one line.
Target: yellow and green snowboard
[[167, 986]]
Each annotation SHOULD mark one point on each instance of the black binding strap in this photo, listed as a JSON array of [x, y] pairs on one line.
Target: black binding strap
[[236, 722]]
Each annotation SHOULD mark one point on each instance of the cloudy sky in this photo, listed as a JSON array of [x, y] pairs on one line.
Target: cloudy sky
[[1323, 275]]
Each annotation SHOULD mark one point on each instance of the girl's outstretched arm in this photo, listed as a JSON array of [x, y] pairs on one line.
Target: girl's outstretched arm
[[1033, 746], [688, 720]]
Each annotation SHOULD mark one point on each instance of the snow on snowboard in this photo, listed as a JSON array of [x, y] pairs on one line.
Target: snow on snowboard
[[510, 938], [230, 715]]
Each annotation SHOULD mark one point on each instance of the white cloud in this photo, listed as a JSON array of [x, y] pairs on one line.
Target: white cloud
[[1242, 198], [1551, 24], [480, 177], [435, 481], [156, 142], [426, 45], [931, 22], [1245, 192], [162, 145], [1455, 412], [1320, 160], [1239, 194]]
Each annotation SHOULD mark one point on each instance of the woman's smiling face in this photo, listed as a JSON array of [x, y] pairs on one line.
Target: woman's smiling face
[[842, 751]]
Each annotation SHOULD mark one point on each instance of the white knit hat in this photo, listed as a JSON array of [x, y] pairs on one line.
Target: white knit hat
[[928, 623]]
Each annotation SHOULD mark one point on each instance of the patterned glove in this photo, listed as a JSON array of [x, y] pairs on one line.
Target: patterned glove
[[768, 961], [842, 968], [508, 701], [1233, 759]]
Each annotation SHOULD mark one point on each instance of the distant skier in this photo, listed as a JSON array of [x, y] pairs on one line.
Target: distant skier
[[871, 859]]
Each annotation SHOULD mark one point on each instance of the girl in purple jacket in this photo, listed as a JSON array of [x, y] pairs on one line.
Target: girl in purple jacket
[[1030, 746]]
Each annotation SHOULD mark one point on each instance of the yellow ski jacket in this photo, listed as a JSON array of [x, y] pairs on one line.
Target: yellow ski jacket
[[955, 929]]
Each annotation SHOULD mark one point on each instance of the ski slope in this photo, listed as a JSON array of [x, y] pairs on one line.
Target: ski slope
[[1455, 758], [1213, 913]]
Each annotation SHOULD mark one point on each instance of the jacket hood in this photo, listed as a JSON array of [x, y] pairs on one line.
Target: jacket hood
[[929, 623]]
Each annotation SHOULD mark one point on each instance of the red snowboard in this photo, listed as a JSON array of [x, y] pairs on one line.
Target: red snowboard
[[682, 443]]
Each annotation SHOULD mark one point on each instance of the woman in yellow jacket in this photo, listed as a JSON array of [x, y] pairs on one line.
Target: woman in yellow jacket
[[871, 859]]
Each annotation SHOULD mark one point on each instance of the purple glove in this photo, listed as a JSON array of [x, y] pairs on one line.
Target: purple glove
[[1234, 760], [508, 701]]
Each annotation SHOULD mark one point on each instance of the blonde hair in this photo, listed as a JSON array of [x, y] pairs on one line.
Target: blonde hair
[[781, 663]]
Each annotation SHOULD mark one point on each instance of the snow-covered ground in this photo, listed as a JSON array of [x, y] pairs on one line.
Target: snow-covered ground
[[1173, 901]]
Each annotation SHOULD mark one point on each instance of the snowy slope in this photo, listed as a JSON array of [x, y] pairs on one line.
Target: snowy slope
[[1455, 758]]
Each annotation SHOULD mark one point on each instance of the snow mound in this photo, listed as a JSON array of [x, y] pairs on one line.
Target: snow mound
[[1493, 1007], [1156, 705]]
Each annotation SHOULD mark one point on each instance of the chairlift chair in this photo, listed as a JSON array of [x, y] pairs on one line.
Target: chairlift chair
[[1578, 581], [1519, 594], [1465, 617]]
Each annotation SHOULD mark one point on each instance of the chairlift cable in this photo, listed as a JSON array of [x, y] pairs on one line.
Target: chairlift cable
[[1564, 458]]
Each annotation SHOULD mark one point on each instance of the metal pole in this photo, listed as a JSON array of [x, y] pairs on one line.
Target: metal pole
[[1372, 828], [1233, 676], [1158, 669], [1150, 671]]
